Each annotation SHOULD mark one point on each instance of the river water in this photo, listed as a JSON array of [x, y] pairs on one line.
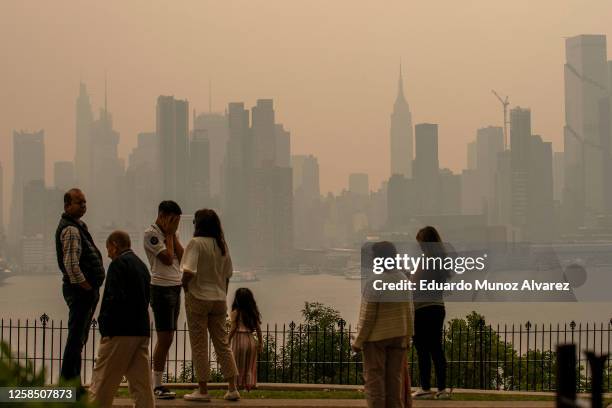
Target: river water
[[282, 296]]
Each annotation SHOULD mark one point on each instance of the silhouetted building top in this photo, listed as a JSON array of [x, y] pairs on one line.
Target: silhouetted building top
[[586, 84], [217, 129], [63, 175], [82, 154], [199, 170], [401, 134], [359, 184], [1, 206], [283, 146], [306, 176], [264, 132], [172, 128], [426, 168], [107, 170], [28, 166]]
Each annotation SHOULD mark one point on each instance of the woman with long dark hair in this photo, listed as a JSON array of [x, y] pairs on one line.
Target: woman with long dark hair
[[429, 313], [207, 268], [246, 320]]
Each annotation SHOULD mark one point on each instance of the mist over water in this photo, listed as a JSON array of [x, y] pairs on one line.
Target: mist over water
[[281, 297]]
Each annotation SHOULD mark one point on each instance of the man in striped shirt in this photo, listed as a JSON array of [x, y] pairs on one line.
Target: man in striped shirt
[[83, 273]]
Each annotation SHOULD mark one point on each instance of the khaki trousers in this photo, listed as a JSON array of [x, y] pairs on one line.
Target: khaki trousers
[[203, 317], [119, 356], [383, 366]]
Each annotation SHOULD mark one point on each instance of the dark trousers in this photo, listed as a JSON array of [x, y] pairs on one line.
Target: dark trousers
[[428, 324], [81, 305]]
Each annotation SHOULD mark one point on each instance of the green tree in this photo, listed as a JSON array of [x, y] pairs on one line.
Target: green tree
[[17, 374]]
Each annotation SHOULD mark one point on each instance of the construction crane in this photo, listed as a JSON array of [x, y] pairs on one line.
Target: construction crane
[[505, 103]]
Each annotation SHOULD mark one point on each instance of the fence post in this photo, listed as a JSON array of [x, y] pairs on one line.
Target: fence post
[[44, 319], [566, 375], [597, 367], [341, 324]]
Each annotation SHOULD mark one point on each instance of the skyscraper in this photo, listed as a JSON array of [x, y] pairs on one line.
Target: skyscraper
[[401, 134], [520, 142], [236, 180], [142, 180], [172, 128], [427, 168], [270, 189], [306, 176], [264, 132], [63, 175], [199, 170], [529, 172], [359, 184], [489, 143], [28, 166], [217, 129], [283, 146], [586, 84], [1, 204], [108, 172], [82, 155], [540, 218], [307, 214], [558, 175]]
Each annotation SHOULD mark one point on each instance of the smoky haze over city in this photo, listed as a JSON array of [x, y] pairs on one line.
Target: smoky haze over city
[[310, 127]]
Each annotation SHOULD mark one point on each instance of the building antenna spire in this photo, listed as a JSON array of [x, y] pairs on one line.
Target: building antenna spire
[[105, 95], [209, 96], [400, 83]]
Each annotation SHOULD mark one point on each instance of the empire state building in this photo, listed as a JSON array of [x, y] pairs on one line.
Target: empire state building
[[401, 134]]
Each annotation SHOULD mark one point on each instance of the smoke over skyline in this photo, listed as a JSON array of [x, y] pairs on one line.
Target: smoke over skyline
[[331, 68]]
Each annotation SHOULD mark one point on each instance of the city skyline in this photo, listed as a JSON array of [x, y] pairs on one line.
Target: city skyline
[[358, 80]]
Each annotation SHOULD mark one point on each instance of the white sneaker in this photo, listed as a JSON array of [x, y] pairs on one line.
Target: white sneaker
[[232, 395], [443, 395], [197, 396], [423, 394]]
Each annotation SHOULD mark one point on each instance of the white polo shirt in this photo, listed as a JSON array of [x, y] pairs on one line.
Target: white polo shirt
[[161, 274]]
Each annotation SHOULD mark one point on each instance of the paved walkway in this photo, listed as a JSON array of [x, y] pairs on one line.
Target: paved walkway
[[335, 403]]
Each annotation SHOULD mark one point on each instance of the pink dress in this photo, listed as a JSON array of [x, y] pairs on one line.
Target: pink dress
[[244, 347]]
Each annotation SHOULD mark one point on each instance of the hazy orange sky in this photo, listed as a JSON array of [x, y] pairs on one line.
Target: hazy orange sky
[[331, 67]]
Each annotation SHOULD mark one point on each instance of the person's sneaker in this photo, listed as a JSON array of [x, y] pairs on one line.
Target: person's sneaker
[[423, 394], [197, 396], [232, 395], [443, 395], [162, 392]]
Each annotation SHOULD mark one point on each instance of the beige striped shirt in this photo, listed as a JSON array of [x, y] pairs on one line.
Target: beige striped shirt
[[385, 320]]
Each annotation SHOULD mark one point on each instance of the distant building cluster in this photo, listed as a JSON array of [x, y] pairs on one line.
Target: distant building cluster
[[515, 188]]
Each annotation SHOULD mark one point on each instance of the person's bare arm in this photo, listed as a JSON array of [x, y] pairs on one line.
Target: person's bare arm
[[233, 324], [259, 340], [187, 277]]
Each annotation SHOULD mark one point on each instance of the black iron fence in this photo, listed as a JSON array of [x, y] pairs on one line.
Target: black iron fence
[[502, 357]]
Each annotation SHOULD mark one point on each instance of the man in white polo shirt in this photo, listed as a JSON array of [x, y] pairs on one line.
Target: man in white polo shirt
[[164, 252]]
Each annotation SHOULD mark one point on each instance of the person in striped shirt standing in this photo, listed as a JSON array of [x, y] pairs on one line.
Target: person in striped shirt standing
[[83, 273]]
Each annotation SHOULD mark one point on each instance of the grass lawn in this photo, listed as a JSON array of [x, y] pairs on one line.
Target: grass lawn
[[275, 394]]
